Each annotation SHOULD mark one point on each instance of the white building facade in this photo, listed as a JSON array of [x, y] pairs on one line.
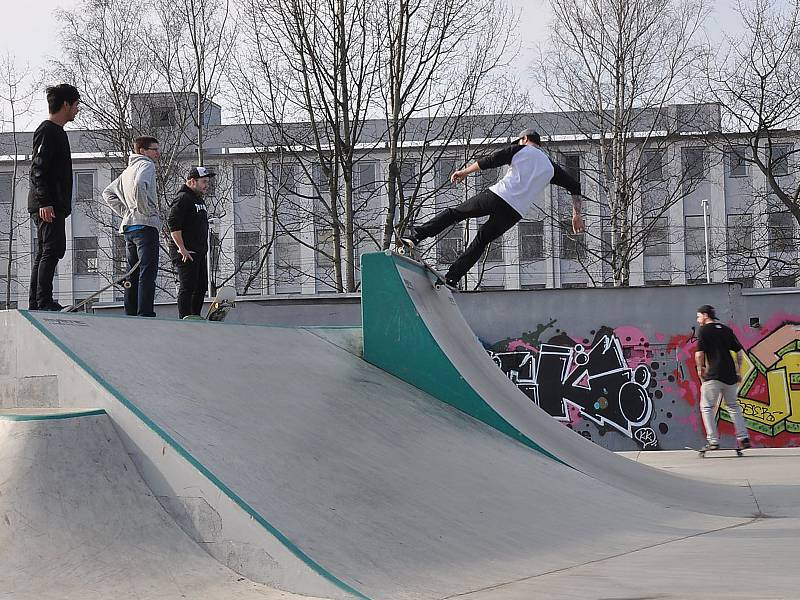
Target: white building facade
[[261, 259]]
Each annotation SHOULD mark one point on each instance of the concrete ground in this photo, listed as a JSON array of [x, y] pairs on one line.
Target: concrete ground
[[754, 561]]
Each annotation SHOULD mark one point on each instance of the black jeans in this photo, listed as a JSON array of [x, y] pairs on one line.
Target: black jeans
[[192, 284], [142, 245], [51, 247], [502, 217]]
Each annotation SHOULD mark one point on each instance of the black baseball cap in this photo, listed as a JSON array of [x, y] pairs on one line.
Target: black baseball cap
[[199, 173], [709, 310]]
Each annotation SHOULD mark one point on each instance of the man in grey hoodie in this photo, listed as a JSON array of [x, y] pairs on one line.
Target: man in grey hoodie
[[132, 196]]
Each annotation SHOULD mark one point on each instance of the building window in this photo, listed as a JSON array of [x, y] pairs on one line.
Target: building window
[[246, 181], [531, 240], [365, 178], [653, 165], [320, 179], [575, 285], [783, 281], [287, 261], [84, 186], [656, 282], [746, 282], [162, 116], [780, 227], [4, 261], [284, 178], [606, 248], [248, 251], [572, 244], [408, 177], [656, 239], [6, 182], [737, 161], [693, 163], [85, 255], [694, 232], [572, 165], [740, 234], [780, 159], [324, 247], [494, 253], [450, 244], [445, 167]]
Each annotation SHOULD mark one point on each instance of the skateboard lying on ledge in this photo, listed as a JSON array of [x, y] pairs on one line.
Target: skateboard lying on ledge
[[404, 249]]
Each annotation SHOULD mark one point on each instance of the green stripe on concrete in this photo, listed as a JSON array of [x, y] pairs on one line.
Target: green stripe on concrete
[[397, 340], [311, 563], [11, 415]]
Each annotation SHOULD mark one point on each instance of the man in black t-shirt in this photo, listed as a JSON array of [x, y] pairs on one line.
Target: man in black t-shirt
[[720, 375]]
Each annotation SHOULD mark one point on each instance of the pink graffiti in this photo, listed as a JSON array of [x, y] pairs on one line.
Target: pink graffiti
[[521, 344]]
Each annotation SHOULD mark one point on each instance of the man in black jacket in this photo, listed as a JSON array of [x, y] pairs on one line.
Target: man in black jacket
[[505, 203], [188, 226], [50, 193]]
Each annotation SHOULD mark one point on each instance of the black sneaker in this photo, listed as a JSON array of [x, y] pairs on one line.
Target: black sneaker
[[709, 446], [744, 443], [451, 283], [410, 237]]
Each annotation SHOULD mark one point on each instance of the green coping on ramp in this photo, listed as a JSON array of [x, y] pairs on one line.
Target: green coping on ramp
[[397, 340]]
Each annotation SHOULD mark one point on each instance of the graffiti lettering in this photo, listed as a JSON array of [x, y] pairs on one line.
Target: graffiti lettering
[[598, 381]]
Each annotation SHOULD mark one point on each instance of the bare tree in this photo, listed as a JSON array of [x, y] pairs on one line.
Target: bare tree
[[755, 78], [103, 51], [314, 61], [433, 80], [614, 68], [136, 65], [16, 93], [339, 80], [192, 42]]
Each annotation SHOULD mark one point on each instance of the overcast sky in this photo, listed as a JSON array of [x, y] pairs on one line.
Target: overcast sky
[[29, 31]]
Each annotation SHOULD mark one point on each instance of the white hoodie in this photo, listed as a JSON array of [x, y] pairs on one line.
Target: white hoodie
[[133, 196]]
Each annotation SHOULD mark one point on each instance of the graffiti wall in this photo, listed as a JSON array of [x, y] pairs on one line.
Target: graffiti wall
[[627, 389]]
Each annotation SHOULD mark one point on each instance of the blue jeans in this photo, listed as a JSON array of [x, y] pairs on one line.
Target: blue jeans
[[142, 245]]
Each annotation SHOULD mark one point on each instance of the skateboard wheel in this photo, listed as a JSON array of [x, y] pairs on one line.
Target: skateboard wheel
[[127, 285]]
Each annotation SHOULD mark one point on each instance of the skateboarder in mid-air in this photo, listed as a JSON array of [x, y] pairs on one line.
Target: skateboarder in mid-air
[[720, 376], [505, 203]]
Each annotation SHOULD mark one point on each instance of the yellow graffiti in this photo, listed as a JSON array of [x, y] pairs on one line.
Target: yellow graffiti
[[777, 357]]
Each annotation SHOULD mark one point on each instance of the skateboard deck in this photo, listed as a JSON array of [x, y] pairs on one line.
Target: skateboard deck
[[222, 304], [702, 453], [404, 249], [122, 281]]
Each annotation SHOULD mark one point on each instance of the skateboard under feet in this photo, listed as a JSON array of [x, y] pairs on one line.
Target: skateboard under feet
[[702, 452], [405, 249]]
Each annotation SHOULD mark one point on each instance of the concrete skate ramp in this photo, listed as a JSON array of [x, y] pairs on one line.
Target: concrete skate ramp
[[79, 523], [392, 493], [418, 333]]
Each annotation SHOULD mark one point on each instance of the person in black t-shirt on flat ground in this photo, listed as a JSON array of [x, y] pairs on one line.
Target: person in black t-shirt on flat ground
[[720, 375], [188, 227]]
